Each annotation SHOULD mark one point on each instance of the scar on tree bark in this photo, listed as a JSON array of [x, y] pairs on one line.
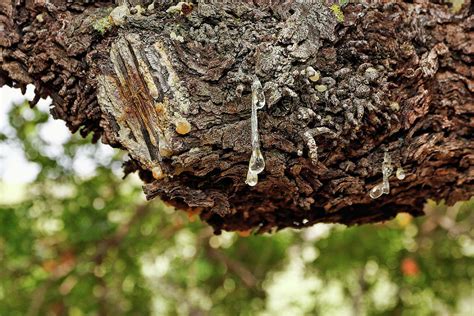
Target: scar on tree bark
[[364, 111]]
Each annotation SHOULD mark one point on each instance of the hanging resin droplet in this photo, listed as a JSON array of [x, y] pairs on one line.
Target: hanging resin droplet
[[257, 162], [376, 191], [400, 173], [386, 172], [258, 97], [387, 168], [252, 178], [384, 187]]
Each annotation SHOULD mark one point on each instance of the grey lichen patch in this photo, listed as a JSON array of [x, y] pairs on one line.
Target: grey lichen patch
[[175, 37], [429, 63], [305, 36], [122, 15], [371, 74], [119, 15]]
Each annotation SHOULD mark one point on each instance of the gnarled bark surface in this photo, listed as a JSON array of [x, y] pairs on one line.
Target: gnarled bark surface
[[173, 88]]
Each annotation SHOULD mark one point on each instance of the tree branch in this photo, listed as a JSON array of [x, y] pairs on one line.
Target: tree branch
[[174, 89]]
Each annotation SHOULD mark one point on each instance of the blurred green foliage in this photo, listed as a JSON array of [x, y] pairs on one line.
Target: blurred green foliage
[[91, 245]]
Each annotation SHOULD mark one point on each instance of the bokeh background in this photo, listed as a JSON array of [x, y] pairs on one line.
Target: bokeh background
[[77, 239]]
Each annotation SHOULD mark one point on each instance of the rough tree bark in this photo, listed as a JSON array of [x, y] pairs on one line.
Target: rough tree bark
[[172, 85]]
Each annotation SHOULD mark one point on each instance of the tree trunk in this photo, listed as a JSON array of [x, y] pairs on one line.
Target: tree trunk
[[351, 100]]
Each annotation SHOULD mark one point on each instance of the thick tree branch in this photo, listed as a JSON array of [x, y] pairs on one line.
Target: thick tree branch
[[173, 87]]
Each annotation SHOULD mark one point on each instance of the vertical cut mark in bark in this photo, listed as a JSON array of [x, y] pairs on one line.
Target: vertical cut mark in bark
[[138, 96]]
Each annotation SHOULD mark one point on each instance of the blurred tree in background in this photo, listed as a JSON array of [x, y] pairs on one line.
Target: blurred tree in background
[[76, 243]]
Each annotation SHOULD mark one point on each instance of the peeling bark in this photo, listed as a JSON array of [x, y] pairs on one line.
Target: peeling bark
[[173, 88]]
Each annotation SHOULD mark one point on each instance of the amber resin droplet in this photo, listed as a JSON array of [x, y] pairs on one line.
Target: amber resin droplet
[[183, 127], [158, 173]]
